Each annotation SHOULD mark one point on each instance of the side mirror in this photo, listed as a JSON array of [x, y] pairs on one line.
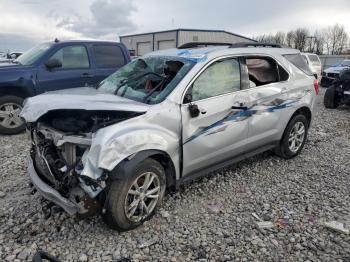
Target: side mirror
[[194, 110], [53, 63]]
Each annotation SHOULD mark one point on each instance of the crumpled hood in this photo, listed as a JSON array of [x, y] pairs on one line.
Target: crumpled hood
[[77, 98], [335, 69]]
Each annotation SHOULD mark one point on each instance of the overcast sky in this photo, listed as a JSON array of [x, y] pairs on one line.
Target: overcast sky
[[24, 23]]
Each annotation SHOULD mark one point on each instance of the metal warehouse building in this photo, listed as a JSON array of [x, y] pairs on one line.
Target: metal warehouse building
[[147, 42]]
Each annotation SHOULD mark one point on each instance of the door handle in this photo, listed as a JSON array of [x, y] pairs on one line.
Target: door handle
[[240, 107], [87, 75]]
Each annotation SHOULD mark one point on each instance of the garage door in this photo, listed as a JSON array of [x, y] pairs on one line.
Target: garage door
[[143, 48], [166, 44]]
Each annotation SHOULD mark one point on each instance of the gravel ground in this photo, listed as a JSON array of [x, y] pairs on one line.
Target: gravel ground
[[207, 220]]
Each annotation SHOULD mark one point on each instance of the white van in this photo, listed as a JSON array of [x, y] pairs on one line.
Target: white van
[[314, 63]]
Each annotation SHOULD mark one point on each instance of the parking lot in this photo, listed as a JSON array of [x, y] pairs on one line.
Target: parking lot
[[210, 219]]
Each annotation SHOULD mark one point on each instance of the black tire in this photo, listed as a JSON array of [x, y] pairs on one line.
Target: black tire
[[324, 83], [114, 215], [330, 98], [15, 100], [283, 150]]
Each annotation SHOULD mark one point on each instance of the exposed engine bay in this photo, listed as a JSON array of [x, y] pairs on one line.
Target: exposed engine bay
[[61, 140], [83, 121]]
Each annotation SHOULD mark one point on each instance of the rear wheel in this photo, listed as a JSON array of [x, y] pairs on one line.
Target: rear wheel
[[294, 137], [135, 198], [330, 98], [10, 122]]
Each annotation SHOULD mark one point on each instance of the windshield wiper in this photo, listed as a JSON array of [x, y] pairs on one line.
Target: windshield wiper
[[121, 84]]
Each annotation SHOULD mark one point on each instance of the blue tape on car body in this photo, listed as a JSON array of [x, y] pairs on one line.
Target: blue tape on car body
[[191, 56]]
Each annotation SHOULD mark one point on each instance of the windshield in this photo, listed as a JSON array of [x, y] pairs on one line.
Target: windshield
[[148, 79], [33, 54]]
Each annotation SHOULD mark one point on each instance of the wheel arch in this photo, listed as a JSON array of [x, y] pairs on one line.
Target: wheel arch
[[128, 164], [19, 91], [303, 111]]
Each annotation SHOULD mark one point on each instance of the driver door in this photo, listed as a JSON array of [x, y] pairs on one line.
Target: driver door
[[220, 130], [75, 70]]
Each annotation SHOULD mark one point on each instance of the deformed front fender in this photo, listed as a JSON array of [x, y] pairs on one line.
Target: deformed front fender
[[127, 166], [110, 147]]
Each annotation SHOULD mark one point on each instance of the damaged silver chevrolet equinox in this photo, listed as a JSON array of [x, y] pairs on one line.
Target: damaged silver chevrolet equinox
[[162, 119]]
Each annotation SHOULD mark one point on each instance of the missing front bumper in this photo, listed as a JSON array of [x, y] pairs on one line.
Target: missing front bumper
[[50, 193]]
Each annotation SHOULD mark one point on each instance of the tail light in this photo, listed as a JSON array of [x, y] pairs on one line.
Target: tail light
[[316, 86]]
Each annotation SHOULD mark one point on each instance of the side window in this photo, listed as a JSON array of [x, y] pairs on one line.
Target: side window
[[73, 57], [108, 56], [304, 56], [264, 70], [219, 78]]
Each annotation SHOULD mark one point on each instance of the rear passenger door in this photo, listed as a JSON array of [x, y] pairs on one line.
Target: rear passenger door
[[268, 84], [108, 58]]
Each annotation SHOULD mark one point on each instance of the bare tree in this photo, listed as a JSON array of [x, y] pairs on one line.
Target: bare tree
[[335, 39], [280, 38], [290, 37], [310, 43], [265, 38], [319, 42], [300, 39]]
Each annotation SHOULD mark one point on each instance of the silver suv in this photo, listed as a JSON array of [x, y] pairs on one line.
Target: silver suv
[[162, 119]]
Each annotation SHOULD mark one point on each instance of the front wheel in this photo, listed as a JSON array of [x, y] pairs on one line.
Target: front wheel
[[294, 137], [134, 199], [10, 122]]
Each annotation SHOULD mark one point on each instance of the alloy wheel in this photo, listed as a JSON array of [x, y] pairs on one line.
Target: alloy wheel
[[296, 137], [142, 196], [9, 115]]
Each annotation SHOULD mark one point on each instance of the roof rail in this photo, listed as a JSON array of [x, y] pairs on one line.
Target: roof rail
[[231, 45], [202, 44], [249, 44]]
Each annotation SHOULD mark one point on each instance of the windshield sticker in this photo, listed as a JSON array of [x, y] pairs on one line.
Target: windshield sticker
[[191, 56]]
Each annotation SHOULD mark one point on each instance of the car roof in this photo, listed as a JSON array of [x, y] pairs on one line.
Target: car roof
[[85, 41], [306, 53], [214, 51]]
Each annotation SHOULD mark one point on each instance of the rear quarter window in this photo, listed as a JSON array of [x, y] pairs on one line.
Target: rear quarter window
[[298, 61], [108, 56]]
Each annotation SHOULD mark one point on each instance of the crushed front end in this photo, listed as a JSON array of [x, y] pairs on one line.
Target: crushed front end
[[55, 166], [61, 141]]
